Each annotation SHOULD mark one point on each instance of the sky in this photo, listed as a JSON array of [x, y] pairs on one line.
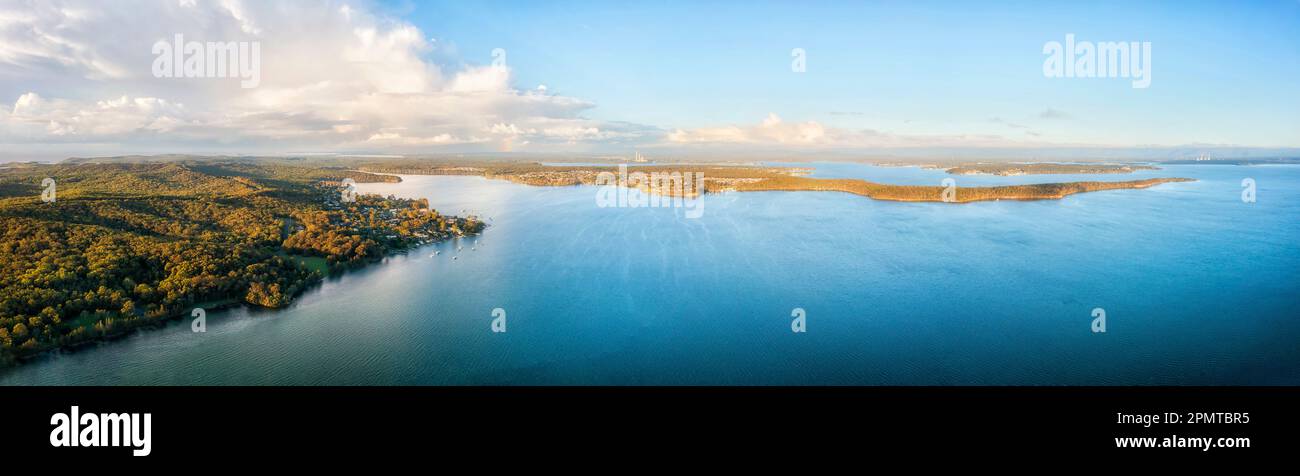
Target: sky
[[81, 77]]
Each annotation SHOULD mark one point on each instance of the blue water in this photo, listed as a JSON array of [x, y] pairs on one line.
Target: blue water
[[1198, 288]]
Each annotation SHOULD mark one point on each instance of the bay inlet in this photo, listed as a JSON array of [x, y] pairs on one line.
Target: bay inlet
[[1198, 287]]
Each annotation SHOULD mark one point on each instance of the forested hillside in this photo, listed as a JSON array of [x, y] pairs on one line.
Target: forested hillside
[[126, 245]]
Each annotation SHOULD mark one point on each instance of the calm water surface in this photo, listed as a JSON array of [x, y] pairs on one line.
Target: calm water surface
[[1198, 288]]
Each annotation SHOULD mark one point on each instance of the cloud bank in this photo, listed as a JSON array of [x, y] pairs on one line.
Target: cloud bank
[[77, 77], [775, 132], [334, 76]]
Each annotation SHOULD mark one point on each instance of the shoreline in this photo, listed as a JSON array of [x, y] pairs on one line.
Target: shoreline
[[715, 179], [222, 304], [238, 234], [788, 179]]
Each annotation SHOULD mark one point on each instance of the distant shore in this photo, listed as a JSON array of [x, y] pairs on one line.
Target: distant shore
[[1045, 168], [718, 179]]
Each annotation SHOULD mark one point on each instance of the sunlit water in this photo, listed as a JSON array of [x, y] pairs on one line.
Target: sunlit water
[[1197, 286]]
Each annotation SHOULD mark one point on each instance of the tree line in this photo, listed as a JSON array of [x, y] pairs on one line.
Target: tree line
[[132, 245]]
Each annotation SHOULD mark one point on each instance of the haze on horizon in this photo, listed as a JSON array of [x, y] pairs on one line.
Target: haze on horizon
[[907, 80]]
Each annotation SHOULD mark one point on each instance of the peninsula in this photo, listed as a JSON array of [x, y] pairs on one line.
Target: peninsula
[[718, 179]]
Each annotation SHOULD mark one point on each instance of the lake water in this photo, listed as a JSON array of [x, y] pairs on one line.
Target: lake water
[[1197, 287]]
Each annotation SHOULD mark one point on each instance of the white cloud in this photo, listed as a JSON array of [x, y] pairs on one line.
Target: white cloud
[[773, 131], [334, 76], [34, 115], [481, 79]]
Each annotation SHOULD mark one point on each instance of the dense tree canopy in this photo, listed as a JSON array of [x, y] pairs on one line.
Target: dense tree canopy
[[126, 245]]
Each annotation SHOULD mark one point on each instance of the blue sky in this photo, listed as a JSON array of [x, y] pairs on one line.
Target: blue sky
[[78, 77], [1223, 72]]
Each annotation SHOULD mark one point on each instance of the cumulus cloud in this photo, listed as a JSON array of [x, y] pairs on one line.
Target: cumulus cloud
[[116, 117], [333, 75], [773, 131]]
